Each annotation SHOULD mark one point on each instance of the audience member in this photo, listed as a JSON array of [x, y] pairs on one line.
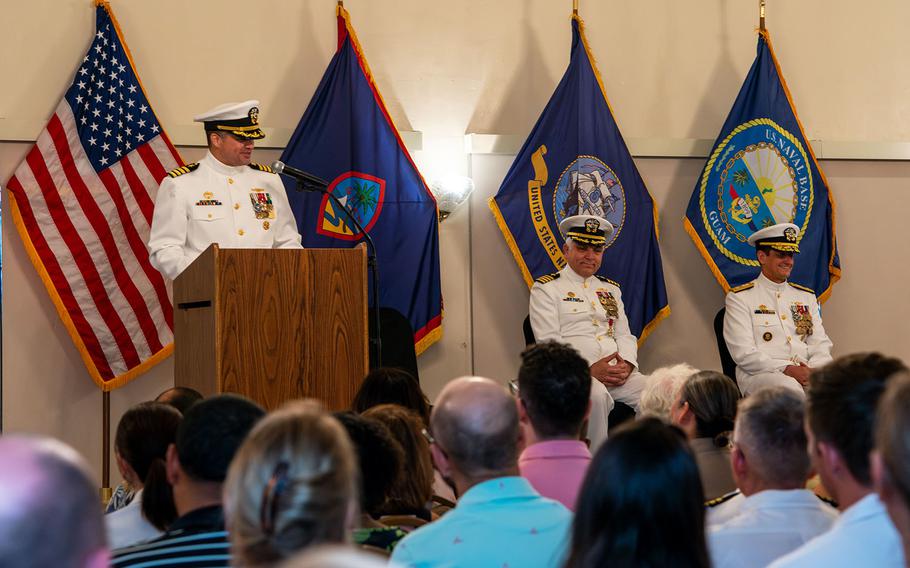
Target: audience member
[[381, 461], [661, 389], [641, 503], [181, 398], [554, 399], [391, 385], [499, 520], [705, 409], [207, 439], [891, 460], [49, 513], [842, 399], [292, 484], [143, 436], [412, 490], [770, 465], [329, 556]]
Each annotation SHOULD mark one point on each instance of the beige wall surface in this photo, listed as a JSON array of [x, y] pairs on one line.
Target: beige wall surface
[[671, 70]]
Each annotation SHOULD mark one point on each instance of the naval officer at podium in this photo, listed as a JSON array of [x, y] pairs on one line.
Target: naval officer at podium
[[224, 198]]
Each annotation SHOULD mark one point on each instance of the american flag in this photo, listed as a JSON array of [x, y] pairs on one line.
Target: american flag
[[82, 202]]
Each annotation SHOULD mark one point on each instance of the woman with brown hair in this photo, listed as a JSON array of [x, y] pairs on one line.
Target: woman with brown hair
[[292, 484], [705, 409], [412, 491]]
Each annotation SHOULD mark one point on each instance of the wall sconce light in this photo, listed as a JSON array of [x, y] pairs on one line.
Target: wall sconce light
[[450, 192]]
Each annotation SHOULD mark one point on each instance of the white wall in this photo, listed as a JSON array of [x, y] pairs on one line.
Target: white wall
[[671, 71]]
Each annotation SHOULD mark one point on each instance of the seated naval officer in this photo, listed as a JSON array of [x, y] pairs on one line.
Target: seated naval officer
[[224, 198], [585, 310], [773, 328]]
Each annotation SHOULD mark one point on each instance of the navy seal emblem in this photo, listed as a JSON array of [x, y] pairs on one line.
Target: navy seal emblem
[[756, 177], [587, 186]]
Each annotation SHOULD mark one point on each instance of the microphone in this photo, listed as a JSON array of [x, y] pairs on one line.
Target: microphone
[[281, 168]]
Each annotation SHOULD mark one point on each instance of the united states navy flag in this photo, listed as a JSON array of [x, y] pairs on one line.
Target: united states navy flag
[[347, 136], [761, 172], [576, 162]]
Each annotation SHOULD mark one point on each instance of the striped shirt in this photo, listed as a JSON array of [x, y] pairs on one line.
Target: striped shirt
[[197, 539]]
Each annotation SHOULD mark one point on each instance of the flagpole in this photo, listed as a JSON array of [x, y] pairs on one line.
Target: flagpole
[[105, 447], [761, 15], [574, 7]]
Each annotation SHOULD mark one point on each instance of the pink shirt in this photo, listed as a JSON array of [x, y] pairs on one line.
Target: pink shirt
[[556, 468]]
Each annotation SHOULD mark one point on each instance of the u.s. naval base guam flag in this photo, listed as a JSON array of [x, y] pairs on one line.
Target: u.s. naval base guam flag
[[82, 202], [761, 172], [346, 136], [576, 162]]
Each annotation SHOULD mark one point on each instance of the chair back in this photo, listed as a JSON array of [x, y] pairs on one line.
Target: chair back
[[528, 331], [726, 361]]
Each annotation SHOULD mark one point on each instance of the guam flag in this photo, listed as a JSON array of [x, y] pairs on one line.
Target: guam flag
[[346, 136], [761, 172], [576, 162]]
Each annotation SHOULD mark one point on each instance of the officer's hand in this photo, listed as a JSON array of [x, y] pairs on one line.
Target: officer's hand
[[799, 372], [603, 371]]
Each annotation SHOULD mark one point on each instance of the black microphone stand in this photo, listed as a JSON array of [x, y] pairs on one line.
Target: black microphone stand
[[372, 264]]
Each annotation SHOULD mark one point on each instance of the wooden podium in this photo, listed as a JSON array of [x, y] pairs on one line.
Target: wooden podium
[[273, 324]]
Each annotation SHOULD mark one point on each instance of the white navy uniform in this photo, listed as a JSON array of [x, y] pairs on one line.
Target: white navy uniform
[[863, 535], [768, 525], [567, 308], [210, 202], [768, 326]]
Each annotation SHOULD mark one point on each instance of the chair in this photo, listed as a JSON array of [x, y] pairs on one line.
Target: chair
[[726, 361], [397, 342], [621, 412]]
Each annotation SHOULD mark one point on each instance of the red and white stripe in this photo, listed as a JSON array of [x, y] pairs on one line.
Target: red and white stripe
[[89, 231]]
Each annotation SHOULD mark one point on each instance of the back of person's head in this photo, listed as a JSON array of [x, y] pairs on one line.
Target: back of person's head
[[641, 503], [892, 442], [841, 404], [554, 385], [391, 385], [475, 423], [181, 398], [380, 457], [49, 511], [661, 389], [333, 556], [292, 484], [211, 432], [143, 435], [413, 488], [712, 398], [770, 432]]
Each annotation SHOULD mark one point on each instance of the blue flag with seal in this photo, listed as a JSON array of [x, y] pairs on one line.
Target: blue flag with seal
[[762, 171], [347, 136], [575, 161]]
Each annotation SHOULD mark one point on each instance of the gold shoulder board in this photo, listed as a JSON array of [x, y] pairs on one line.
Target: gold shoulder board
[[745, 286], [547, 278], [261, 168], [605, 279], [722, 499], [803, 288], [183, 170]]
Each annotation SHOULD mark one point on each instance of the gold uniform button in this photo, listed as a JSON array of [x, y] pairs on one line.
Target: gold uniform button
[[236, 206], [240, 232], [210, 215], [783, 317], [230, 180]]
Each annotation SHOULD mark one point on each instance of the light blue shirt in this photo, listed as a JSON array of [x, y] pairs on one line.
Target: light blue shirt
[[500, 523]]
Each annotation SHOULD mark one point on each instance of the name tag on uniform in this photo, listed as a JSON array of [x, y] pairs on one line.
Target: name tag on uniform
[[571, 297]]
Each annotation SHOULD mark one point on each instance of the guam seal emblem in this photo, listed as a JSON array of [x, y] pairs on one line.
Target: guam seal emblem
[[363, 195], [588, 186], [757, 177]]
